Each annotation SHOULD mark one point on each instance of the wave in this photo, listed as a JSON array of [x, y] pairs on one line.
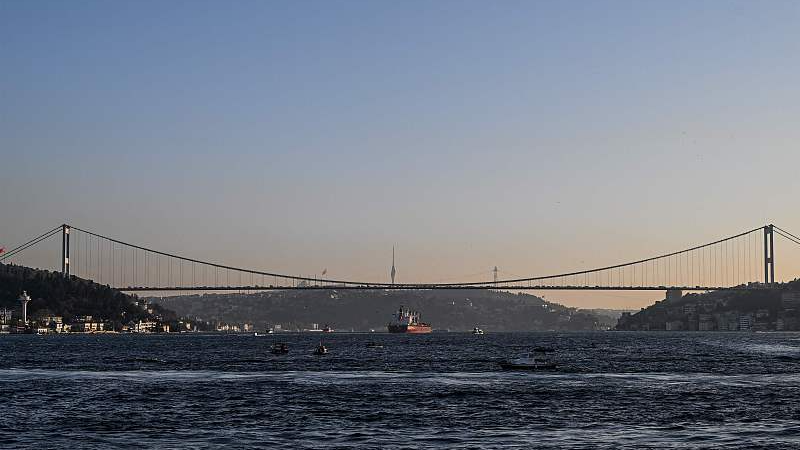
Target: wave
[[387, 377]]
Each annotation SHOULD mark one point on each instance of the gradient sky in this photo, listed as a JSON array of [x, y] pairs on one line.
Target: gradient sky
[[296, 136]]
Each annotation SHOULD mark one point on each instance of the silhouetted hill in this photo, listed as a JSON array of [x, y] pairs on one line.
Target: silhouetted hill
[[775, 308], [51, 293], [365, 310]]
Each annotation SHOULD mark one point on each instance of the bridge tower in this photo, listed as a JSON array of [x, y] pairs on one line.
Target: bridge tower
[[65, 250], [769, 255]]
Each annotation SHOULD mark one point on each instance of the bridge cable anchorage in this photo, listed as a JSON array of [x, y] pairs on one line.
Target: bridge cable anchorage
[[30, 243]]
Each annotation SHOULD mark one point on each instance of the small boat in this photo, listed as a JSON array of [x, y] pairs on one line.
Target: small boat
[[477, 330], [280, 348], [321, 350], [374, 345], [327, 329], [535, 360]]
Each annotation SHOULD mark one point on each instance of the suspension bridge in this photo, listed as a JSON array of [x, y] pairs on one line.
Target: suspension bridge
[[743, 261]]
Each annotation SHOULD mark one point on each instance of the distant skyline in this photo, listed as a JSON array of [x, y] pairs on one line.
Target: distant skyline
[[537, 137]]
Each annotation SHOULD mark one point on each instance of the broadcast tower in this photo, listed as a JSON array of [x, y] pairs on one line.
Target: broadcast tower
[[394, 271]]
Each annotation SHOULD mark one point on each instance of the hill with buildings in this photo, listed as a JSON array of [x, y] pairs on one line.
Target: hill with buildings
[[765, 309], [70, 300], [456, 310]]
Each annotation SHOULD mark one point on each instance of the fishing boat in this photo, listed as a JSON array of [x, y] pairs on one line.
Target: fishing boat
[[321, 350], [535, 360], [477, 330], [280, 348]]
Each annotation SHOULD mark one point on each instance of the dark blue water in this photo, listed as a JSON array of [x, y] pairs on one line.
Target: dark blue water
[[614, 390]]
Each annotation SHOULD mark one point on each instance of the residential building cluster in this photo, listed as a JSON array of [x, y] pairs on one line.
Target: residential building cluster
[[762, 312], [19, 322]]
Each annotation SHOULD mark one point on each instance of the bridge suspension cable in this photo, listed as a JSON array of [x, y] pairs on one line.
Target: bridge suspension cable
[[787, 235], [732, 262], [22, 247], [675, 264]]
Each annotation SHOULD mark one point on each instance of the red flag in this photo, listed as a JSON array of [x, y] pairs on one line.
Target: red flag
[[2, 250]]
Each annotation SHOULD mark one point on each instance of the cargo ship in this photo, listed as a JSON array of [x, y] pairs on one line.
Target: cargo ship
[[408, 321]]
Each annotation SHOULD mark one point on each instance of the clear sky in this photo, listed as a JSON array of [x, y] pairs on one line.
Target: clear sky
[[296, 136]]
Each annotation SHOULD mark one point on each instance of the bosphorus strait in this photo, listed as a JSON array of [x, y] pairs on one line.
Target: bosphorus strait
[[613, 390]]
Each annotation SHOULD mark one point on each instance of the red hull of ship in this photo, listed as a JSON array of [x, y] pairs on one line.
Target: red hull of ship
[[409, 328]]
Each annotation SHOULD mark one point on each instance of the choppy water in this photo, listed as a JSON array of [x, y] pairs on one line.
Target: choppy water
[[614, 390]]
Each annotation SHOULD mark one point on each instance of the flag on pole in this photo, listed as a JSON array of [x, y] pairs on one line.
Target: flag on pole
[[324, 271], [2, 250]]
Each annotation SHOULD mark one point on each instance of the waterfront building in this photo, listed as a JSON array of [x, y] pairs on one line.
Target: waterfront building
[[228, 328], [144, 327], [728, 321], [5, 320], [706, 322], [54, 323], [790, 300], [746, 322], [675, 325], [52, 319], [88, 327], [87, 324]]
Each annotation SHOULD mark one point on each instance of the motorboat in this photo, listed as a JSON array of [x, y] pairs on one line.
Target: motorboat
[[534, 360], [374, 345], [321, 350], [280, 348], [477, 330]]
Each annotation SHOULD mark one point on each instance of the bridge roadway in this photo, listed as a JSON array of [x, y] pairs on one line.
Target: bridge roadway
[[441, 287]]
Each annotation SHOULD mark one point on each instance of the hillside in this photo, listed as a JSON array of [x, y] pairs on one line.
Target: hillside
[[52, 294], [768, 309], [365, 310]]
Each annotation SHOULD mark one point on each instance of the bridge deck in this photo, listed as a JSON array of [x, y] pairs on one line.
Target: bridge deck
[[438, 287]]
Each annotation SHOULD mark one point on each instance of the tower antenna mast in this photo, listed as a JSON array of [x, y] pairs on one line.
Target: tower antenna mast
[[394, 271]]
